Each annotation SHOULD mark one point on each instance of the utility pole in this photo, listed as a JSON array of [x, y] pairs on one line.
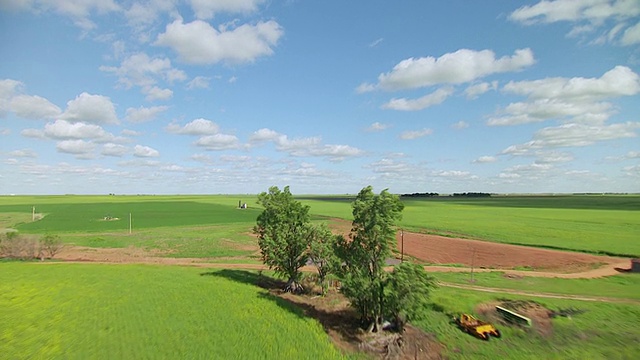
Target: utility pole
[[33, 213], [473, 259], [401, 245]]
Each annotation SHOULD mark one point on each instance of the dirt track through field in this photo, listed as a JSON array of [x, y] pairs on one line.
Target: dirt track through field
[[539, 294]]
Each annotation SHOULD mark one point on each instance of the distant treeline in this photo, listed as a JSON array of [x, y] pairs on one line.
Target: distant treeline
[[420, 195], [471, 194], [434, 194]]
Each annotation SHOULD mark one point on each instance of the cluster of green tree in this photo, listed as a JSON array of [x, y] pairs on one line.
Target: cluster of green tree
[[420, 195], [472, 194], [288, 241]]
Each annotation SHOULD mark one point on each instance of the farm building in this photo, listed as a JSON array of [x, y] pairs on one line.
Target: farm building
[[635, 265]]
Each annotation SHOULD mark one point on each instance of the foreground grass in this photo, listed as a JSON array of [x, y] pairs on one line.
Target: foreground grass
[[604, 331], [623, 286], [51, 311]]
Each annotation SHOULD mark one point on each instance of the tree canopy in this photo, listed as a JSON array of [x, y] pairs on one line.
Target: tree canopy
[[365, 252], [283, 230]]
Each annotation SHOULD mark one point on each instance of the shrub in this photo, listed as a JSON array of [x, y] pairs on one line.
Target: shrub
[[50, 245]]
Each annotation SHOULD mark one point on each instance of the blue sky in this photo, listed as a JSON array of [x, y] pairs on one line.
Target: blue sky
[[234, 96]]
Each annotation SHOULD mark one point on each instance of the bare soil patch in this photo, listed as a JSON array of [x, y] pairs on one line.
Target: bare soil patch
[[444, 250], [436, 249], [540, 316], [341, 324]]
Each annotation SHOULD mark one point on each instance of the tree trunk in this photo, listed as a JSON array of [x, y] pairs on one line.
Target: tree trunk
[[293, 286]]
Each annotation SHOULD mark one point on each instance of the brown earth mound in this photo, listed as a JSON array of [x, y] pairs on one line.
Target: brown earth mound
[[539, 315]]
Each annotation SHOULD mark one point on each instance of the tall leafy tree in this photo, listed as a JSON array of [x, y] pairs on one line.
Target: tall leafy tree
[[282, 229], [407, 295], [364, 253], [321, 252]]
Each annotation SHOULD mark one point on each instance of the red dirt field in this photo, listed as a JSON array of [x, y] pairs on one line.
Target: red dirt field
[[481, 254]]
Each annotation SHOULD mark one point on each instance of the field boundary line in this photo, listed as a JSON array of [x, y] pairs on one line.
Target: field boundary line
[[540, 294]]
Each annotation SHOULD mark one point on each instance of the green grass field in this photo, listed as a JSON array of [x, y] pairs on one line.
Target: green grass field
[[62, 311], [596, 224], [623, 286], [604, 331], [179, 226]]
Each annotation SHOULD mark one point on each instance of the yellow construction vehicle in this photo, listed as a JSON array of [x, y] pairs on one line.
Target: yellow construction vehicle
[[476, 327]]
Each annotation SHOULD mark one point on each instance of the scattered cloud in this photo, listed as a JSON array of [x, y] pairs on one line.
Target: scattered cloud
[[145, 72], [631, 35], [435, 98], [33, 107], [473, 91], [485, 160], [195, 127], [206, 9], [144, 114], [569, 99], [454, 174], [23, 153], [376, 42], [198, 82], [80, 148], [415, 134], [202, 158], [587, 16], [156, 93], [95, 109], [573, 135], [62, 129], [78, 11], [198, 42], [218, 142], [116, 150], [377, 126], [391, 166], [24, 106], [145, 151], [460, 125], [619, 81], [458, 67], [302, 147]]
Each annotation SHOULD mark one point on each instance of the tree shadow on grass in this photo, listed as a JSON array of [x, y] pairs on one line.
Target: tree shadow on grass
[[247, 277], [340, 321]]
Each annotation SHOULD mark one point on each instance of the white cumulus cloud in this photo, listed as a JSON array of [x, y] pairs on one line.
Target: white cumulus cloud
[[218, 142], [96, 109], [461, 66], [80, 148], [198, 42], [145, 151]]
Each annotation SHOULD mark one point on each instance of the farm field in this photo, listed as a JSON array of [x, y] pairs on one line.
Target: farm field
[[596, 224], [147, 311], [623, 286], [210, 231], [603, 331], [63, 311]]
